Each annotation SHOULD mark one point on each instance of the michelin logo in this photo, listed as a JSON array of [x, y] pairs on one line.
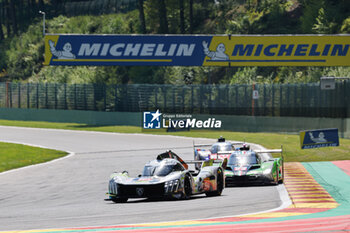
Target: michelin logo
[[151, 120], [137, 49], [66, 53], [218, 55], [279, 50], [321, 138]]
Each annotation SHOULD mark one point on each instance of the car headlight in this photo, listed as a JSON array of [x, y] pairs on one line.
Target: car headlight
[[112, 187], [171, 186], [267, 171]]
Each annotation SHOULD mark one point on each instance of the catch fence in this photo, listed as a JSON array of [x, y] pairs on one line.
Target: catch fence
[[304, 100]]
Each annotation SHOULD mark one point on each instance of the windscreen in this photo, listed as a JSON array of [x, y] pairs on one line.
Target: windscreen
[[162, 170], [242, 160], [221, 148]]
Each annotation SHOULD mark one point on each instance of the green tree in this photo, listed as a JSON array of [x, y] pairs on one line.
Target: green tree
[[310, 12], [163, 20], [41, 5], [247, 23], [182, 16], [1, 31], [142, 17], [345, 28], [8, 22], [323, 25], [249, 75], [190, 9]]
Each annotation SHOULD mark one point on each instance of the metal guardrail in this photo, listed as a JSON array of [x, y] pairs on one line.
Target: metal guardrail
[[304, 100]]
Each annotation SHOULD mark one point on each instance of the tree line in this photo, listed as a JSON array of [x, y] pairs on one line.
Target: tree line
[[16, 15], [22, 47]]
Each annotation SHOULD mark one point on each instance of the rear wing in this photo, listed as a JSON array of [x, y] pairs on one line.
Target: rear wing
[[209, 145], [269, 151], [201, 145], [256, 151]]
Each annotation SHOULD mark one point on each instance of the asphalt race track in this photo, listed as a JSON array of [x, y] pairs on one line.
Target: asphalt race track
[[70, 192]]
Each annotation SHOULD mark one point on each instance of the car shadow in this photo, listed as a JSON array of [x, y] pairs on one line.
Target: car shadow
[[248, 185], [148, 200]]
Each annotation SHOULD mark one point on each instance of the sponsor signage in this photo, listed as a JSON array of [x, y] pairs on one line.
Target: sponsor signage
[[124, 50], [198, 50], [319, 138], [157, 120], [255, 94], [327, 83]]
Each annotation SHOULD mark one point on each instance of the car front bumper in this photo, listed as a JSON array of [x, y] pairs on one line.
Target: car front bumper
[[247, 180]]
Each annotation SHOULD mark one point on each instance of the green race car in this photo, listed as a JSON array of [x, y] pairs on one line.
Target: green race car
[[254, 167]]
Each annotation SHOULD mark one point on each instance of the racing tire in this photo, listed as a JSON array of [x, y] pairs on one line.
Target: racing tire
[[220, 185], [119, 199], [187, 188]]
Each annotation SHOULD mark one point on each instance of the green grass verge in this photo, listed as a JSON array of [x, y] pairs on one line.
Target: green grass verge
[[17, 155], [291, 143]]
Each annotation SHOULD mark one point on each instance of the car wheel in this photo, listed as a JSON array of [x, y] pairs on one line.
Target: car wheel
[[119, 199], [220, 185], [187, 188]]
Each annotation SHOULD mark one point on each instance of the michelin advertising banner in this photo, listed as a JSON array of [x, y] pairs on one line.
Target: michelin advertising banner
[[198, 50], [319, 138]]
